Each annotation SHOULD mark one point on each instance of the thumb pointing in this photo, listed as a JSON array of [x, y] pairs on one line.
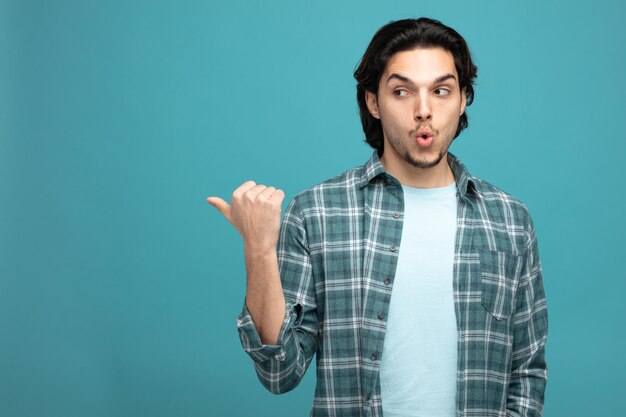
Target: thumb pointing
[[221, 205]]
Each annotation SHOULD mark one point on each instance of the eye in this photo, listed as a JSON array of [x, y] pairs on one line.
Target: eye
[[442, 91], [401, 92]]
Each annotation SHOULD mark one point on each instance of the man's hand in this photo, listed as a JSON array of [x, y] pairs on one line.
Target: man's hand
[[255, 213]]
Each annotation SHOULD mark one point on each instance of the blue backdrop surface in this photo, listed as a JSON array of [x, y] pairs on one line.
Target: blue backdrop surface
[[119, 285]]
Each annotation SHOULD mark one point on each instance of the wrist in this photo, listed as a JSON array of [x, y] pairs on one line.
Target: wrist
[[258, 251]]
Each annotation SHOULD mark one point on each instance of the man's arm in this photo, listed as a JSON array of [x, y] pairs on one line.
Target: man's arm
[[278, 324], [529, 370], [255, 213], [264, 293], [281, 366]]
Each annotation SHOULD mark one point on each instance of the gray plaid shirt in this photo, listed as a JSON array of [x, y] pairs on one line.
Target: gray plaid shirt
[[337, 255]]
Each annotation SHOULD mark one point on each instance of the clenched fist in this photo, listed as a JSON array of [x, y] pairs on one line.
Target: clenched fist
[[255, 213]]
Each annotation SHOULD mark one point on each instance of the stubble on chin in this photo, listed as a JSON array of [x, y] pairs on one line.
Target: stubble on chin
[[424, 163], [402, 149], [405, 154]]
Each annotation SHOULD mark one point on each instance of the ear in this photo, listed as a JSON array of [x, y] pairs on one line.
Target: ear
[[463, 101], [372, 103]]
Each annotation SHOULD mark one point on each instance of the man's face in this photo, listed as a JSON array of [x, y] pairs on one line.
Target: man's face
[[419, 104]]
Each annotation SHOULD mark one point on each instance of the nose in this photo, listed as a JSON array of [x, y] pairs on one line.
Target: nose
[[422, 109]]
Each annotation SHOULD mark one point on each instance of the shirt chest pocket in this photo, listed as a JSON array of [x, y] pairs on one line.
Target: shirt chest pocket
[[500, 275]]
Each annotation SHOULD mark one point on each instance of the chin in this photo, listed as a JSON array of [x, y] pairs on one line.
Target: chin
[[425, 161]]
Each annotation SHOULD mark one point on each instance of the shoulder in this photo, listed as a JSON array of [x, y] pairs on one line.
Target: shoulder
[[501, 207]]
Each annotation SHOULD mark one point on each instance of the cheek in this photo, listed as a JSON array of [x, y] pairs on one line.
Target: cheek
[[451, 113], [391, 115], [400, 111]]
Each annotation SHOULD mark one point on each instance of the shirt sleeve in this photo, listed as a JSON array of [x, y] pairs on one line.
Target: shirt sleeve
[[529, 371], [280, 367]]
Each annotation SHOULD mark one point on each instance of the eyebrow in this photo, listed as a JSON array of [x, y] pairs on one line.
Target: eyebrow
[[437, 80]]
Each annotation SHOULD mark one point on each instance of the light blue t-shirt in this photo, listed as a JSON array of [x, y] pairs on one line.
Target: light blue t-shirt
[[419, 361]]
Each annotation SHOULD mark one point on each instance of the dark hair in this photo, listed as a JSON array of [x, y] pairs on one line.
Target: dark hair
[[403, 35]]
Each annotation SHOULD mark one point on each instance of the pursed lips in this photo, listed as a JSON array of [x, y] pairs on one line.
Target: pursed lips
[[424, 133]]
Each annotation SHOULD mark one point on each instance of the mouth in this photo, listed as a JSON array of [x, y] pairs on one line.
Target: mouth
[[424, 141], [424, 138]]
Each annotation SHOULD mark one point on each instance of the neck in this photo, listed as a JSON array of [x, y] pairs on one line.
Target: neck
[[440, 175]]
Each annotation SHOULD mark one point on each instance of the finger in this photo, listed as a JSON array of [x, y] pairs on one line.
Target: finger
[[267, 193], [279, 195], [253, 192], [221, 205], [243, 188]]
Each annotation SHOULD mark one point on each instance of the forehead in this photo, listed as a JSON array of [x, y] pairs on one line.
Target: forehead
[[421, 64]]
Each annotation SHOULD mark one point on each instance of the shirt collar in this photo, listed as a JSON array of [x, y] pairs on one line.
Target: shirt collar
[[466, 184]]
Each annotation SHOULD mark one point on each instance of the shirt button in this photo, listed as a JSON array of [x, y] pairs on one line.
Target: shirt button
[[367, 397], [388, 180], [387, 281], [373, 357], [381, 315], [396, 215], [393, 248]]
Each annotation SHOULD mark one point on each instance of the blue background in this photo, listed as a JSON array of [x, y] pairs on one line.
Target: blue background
[[120, 285]]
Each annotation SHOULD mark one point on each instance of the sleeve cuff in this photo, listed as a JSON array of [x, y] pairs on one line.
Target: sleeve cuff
[[251, 341]]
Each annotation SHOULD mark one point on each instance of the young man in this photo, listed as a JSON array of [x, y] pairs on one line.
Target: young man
[[417, 285]]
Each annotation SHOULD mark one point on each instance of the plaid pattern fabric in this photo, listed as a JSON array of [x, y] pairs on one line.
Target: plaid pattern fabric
[[337, 253]]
